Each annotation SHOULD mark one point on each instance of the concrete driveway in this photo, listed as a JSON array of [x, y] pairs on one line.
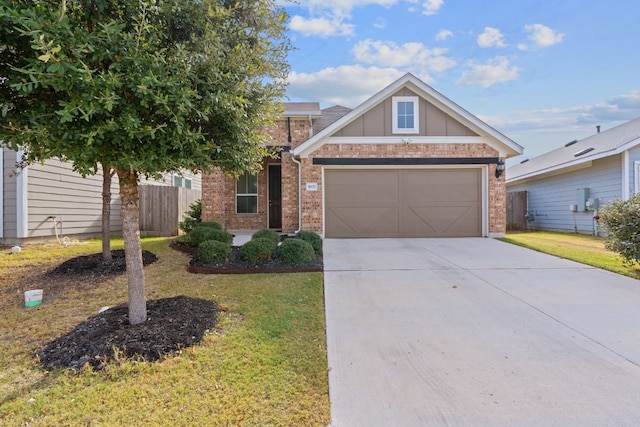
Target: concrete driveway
[[477, 332]]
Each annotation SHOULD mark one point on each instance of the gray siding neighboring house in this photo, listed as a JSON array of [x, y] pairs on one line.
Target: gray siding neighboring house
[[49, 201], [562, 184]]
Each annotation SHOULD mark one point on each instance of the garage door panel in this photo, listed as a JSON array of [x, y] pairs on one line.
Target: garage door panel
[[369, 221], [403, 203], [362, 188], [441, 221]]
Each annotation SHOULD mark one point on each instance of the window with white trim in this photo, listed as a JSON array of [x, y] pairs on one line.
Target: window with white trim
[[247, 194], [405, 112], [180, 181]]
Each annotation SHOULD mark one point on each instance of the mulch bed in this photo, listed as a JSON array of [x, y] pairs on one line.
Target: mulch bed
[[172, 324], [94, 266], [237, 265]]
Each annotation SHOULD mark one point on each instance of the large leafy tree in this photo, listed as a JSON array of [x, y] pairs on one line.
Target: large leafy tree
[[144, 87]]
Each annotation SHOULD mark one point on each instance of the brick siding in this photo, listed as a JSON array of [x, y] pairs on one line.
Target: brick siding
[[218, 190]]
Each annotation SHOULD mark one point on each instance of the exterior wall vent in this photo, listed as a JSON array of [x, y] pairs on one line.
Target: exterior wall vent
[[582, 152]]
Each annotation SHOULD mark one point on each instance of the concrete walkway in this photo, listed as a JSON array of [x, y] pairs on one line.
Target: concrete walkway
[[467, 332]]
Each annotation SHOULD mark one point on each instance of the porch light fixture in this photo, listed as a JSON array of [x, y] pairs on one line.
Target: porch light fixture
[[499, 169]]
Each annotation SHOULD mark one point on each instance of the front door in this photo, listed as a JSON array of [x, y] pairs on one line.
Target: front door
[[275, 196]]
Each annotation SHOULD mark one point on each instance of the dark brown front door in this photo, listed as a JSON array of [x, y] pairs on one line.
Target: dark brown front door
[[275, 196]]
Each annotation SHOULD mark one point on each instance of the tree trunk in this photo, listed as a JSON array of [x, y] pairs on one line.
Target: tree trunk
[[106, 212], [132, 248]]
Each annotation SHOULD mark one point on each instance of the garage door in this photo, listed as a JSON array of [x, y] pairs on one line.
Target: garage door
[[403, 203]]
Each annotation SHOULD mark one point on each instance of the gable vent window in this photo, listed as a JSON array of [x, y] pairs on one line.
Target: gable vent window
[[583, 152], [247, 194], [180, 181], [406, 116]]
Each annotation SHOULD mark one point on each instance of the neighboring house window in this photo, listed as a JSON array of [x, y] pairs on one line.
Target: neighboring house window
[[180, 181], [405, 114], [247, 194]]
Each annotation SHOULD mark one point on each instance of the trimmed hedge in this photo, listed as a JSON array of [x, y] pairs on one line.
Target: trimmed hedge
[[213, 251], [201, 234], [258, 249], [266, 234], [313, 238], [296, 251], [209, 224]]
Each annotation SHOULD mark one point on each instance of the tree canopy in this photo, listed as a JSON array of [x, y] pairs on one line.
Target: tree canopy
[[144, 87], [153, 86]]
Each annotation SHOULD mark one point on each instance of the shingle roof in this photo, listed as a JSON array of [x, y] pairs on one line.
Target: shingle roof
[[329, 116], [604, 144]]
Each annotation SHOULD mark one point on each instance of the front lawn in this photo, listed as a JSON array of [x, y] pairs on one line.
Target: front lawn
[[264, 363], [576, 247]]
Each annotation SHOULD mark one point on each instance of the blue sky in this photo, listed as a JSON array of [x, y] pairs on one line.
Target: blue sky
[[543, 72]]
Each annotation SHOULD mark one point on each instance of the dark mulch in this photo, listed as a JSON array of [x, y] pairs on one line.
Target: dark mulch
[[93, 265], [172, 324], [237, 265]]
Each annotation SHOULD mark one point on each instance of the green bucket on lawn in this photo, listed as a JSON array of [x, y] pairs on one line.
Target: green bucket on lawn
[[33, 298]]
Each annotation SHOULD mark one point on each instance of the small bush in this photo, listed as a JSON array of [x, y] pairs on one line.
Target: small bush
[[296, 251], [202, 234], [210, 224], [213, 251], [313, 238], [258, 249], [192, 217], [621, 219], [266, 234]]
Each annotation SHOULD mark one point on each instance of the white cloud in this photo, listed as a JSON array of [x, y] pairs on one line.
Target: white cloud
[[494, 71], [544, 129], [415, 54], [431, 7], [320, 27], [380, 23], [347, 85], [340, 8], [443, 35], [330, 17], [543, 36], [491, 37]]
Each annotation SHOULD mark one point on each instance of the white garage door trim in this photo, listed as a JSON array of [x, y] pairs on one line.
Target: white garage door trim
[[484, 173]]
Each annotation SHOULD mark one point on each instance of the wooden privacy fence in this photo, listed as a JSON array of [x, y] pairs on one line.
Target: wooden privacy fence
[[162, 207], [517, 211]]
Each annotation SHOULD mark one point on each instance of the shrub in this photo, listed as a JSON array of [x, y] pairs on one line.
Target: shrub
[[210, 224], [621, 219], [213, 251], [266, 234], [202, 234], [258, 249], [296, 251], [192, 217], [313, 238]]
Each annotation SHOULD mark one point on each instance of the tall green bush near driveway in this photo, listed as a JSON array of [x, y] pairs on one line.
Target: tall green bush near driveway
[[621, 219]]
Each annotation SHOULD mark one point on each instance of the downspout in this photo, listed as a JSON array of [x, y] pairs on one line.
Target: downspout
[[299, 193], [626, 176]]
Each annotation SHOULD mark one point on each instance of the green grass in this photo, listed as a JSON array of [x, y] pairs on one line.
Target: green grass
[[264, 365], [576, 247]]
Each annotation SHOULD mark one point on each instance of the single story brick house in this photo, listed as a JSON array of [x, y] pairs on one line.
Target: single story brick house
[[408, 162]]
